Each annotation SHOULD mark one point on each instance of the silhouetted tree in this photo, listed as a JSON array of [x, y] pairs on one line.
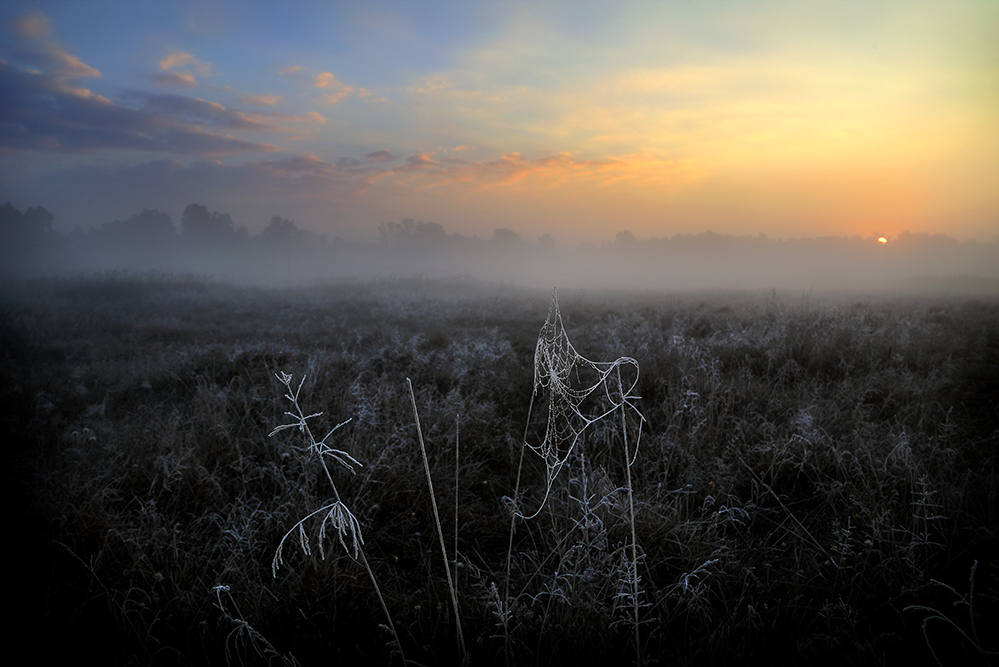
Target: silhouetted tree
[[507, 239], [280, 230], [624, 237], [26, 239], [546, 242], [33, 225], [151, 228], [410, 234], [207, 230]]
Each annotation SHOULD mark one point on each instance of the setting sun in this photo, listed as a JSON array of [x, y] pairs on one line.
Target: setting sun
[[660, 118], [882, 240]]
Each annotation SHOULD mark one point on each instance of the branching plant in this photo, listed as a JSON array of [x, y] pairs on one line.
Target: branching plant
[[245, 635], [334, 514]]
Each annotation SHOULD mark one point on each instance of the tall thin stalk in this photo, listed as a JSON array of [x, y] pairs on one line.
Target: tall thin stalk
[[456, 450], [631, 516], [437, 520]]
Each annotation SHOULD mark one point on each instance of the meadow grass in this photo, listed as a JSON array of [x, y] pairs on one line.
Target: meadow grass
[[815, 473]]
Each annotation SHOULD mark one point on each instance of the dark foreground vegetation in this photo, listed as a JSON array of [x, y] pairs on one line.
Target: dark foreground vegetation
[[816, 481]]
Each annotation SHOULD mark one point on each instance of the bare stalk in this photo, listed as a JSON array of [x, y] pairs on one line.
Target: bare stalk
[[513, 509], [437, 520], [631, 515]]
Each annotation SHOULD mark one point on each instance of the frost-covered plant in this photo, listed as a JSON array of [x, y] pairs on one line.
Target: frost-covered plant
[[244, 634], [334, 514]]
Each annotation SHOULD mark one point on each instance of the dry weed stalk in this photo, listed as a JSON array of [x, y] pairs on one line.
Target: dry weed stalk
[[440, 532], [335, 513]]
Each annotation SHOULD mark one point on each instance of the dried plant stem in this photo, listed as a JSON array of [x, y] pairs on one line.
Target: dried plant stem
[[342, 519], [381, 599], [505, 602], [631, 517], [437, 520], [516, 496]]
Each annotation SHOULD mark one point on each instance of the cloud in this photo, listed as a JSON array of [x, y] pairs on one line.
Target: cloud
[[335, 98], [262, 100], [429, 84], [291, 69], [337, 89], [194, 110], [327, 80], [420, 161], [38, 51], [176, 59], [32, 26], [171, 79], [180, 60], [560, 172], [43, 112]]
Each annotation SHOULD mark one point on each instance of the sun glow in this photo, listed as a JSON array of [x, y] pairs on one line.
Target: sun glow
[[882, 240]]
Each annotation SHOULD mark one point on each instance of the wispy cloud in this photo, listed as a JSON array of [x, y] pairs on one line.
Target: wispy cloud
[[519, 173], [31, 26], [48, 110], [38, 51], [429, 84], [180, 60], [335, 90], [262, 100], [174, 79], [327, 80], [194, 110]]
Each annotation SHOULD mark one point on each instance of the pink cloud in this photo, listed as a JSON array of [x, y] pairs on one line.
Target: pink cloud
[[337, 90], [41, 52], [327, 80], [262, 100], [31, 26], [54, 114], [180, 60], [171, 79]]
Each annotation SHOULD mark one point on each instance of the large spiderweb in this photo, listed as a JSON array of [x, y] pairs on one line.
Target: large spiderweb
[[580, 393]]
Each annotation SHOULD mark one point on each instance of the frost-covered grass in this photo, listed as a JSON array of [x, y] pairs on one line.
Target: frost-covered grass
[[816, 475]]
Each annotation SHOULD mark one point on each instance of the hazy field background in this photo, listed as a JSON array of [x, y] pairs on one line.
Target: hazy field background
[[817, 473]]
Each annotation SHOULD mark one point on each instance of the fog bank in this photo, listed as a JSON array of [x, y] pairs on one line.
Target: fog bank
[[210, 244]]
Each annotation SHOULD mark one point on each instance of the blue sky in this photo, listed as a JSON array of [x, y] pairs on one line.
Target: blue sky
[[794, 119]]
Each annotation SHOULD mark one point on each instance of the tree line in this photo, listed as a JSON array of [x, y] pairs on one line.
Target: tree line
[[210, 242]]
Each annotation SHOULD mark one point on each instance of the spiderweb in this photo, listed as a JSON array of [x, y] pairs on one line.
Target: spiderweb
[[580, 393]]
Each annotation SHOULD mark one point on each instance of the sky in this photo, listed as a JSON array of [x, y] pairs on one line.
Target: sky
[[579, 120]]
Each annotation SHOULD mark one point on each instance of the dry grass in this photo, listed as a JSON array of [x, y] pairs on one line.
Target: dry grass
[[809, 470]]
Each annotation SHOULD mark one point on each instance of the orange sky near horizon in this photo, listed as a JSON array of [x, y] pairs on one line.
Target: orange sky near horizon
[[793, 119]]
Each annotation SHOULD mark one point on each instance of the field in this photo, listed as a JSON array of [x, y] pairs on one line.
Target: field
[[816, 479]]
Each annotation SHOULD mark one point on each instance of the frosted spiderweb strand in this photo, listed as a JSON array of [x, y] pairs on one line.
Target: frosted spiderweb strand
[[558, 370]]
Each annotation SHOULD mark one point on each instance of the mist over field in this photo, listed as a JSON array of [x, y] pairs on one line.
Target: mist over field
[[212, 244], [641, 333]]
